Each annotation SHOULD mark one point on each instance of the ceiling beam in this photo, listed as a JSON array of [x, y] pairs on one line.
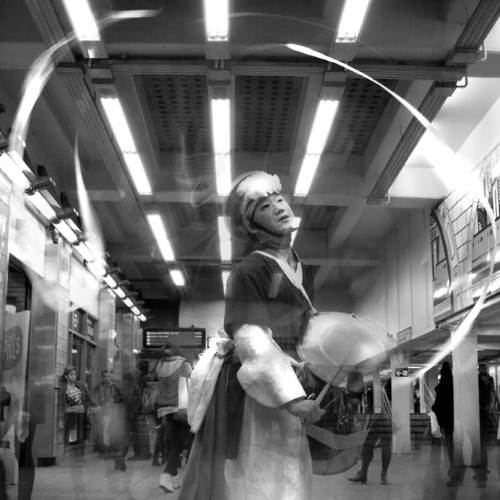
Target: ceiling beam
[[398, 200], [165, 67]]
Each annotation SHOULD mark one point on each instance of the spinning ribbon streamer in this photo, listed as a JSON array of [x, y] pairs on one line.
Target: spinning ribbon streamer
[[33, 86]]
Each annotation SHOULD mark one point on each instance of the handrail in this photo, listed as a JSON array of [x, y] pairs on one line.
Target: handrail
[[428, 398]]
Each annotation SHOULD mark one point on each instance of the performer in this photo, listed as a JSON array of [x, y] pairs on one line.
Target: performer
[[252, 444]]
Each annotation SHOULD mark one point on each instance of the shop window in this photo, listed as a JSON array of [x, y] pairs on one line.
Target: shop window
[[82, 355]]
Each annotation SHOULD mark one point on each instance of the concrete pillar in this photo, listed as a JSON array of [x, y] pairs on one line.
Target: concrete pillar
[[401, 389], [466, 402], [377, 393]]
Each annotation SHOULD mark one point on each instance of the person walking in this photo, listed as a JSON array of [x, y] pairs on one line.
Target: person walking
[[106, 392], [443, 407], [172, 371]]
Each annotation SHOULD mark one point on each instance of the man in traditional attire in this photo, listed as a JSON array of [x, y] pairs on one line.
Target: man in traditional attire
[[252, 444]]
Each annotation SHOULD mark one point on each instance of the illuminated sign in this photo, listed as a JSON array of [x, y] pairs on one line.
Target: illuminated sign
[[183, 337]]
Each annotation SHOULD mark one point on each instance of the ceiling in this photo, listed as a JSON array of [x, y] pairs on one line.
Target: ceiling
[[162, 70]]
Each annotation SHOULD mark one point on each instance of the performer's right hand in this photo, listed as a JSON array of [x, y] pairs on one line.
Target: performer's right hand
[[309, 411]]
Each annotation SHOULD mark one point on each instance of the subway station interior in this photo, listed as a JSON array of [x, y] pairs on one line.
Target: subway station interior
[[124, 126]]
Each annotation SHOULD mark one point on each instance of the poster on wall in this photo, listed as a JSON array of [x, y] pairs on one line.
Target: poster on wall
[[441, 268], [15, 356], [481, 228]]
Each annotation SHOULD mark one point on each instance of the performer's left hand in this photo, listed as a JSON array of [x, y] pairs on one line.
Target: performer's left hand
[[309, 411]]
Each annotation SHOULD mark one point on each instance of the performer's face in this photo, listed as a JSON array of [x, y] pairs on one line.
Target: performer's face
[[274, 214]]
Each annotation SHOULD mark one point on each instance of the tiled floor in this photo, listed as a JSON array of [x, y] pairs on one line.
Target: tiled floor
[[420, 476]]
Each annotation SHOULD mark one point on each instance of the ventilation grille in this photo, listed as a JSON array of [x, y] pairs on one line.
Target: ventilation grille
[[180, 113], [317, 218], [358, 116], [266, 112]]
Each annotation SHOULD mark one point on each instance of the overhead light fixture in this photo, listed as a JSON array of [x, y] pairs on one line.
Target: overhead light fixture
[[119, 292], [307, 171], [225, 241], [142, 317], [221, 125], [223, 174], [177, 277], [43, 206], [138, 173], [217, 20], [13, 171], [320, 130], [110, 281], [136, 311], [70, 236], [123, 136], [352, 19], [81, 248], [325, 113], [296, 220], [118, 122], [160, 234], [128, 302], [82, 19], [221, 134], [225, 277]]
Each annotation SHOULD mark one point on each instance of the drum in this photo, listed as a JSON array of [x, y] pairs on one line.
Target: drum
[[334, 343]]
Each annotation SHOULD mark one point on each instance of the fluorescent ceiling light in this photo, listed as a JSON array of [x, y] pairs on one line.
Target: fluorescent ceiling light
[[223, 174], [296, 224], [307, 171], [96, 269], [12, 170], [217, 20], [177, 277], [323, 120], [110, 281], [128, 302], [82, 248], [118, 122], [43, 206], [221, 126], [225, 241], [82, 19], [142, 318], [352, 18], [70, 236], [136, 311], [160, 234], [119, 292], [137, 172], [325, 113]]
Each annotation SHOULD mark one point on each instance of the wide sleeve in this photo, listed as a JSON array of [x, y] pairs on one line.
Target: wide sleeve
[[266, 373], [247, 297]]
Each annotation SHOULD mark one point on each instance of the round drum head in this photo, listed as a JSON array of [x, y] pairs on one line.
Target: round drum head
[[334, 343]]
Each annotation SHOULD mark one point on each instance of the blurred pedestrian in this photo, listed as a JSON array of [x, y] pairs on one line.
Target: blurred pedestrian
[[132, 400], [443, 407], [172, 371], [105, 393]]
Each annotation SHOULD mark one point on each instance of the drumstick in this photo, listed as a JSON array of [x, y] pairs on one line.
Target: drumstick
[[322, 394]]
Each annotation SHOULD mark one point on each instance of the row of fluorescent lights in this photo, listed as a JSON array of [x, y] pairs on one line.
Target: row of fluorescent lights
[[86, 30], [217, 20], [16, 169]]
